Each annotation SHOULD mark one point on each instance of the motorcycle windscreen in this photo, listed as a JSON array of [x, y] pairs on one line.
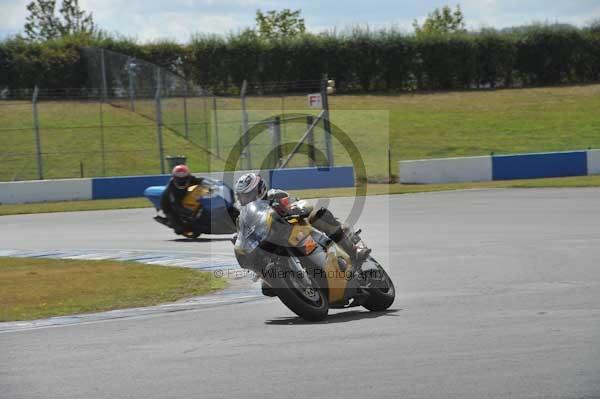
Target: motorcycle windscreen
[[254, 225]]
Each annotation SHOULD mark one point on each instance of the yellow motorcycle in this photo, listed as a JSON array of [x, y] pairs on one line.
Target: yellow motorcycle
[[303, 267]]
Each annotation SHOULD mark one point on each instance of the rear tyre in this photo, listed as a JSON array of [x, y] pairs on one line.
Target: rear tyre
[[383, 293], [191, 234], [308, 302]]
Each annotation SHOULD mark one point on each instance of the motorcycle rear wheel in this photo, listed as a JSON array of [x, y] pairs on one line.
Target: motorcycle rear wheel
[[310, 303], [192, 235]]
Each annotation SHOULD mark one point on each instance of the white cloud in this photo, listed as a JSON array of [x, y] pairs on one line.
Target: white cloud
[[180, 27], [178, 19]]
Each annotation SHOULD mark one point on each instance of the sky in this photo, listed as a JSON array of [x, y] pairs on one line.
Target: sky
[[179, 20]]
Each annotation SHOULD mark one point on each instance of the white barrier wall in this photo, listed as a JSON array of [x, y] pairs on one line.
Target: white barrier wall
[[22, 192], [593, 162], [45, 190], [447, 170]]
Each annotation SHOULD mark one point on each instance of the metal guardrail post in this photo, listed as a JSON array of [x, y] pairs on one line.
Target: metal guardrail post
[[102, 144], [159, 124], [311, 141], [205, 111], [245, 140], [389, 154], [36, 128], [216, 118], [284, 125], [276, 131], [103, 72], [185, 112], [326, 124], [130, 74]]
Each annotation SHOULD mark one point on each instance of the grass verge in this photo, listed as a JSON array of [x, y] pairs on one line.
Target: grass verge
[[372, 189], [38, 288], [74, 206]]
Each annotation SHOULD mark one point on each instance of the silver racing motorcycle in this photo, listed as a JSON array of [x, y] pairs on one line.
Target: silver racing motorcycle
[[303, 267]]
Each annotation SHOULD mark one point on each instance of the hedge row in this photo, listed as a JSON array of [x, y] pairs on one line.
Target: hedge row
[[359, 61]]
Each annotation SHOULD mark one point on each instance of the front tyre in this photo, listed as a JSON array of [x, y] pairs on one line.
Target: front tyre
[[382, 292], [305, 299]]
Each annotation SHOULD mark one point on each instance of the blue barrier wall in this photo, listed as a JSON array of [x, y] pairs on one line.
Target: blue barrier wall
[[286, 179], [125, 187], [304, 178], [531, 166]]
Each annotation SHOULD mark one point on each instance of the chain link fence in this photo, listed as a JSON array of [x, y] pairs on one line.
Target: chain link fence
[[134, 115]]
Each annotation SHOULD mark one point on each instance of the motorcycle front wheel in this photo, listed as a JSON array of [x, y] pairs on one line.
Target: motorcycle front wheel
[[308, 301], [382, 292]]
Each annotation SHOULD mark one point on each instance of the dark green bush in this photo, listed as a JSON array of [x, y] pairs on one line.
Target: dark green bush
[[548, 54], [495, 58], [359, 60]]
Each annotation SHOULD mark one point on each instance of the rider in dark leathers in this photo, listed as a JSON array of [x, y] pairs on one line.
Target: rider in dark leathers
[[181, 179]]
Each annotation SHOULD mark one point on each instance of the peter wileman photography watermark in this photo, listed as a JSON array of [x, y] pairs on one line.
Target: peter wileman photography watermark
[[236, 274]]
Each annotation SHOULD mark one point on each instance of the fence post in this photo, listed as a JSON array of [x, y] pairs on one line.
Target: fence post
[[389, 154], [205, 110], [161, 150], [284, 127], [216, 118], [130, 76], [245, 141], [185, 111], [102, 146], [311, 141], [276, 132], [326, 124], [103, 72], [36, 128]]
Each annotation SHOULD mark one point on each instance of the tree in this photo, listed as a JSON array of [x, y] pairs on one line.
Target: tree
[[593, 26], [41, 22], [277, 24], [442, 21], [44, 24]]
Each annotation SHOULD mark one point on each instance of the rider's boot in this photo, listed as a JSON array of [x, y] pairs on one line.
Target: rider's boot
[[350, 243], [342, 234]]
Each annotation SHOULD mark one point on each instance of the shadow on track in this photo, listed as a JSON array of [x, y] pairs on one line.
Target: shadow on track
[[341, 317], [188, 240]]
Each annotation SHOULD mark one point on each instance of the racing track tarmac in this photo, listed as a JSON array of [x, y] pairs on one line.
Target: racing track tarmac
[[498, 297]]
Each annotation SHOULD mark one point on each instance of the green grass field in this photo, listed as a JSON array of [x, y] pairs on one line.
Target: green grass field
[[37, 288], [414, 126]]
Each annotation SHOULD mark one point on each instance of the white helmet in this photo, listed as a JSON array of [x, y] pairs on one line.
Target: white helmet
[[250, 187]]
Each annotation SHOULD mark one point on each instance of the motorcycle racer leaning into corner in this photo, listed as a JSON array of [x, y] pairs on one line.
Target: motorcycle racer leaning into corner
[[251, 187], [181, 179]]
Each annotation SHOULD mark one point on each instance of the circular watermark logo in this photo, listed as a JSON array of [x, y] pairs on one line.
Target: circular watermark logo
[[279, 151]]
